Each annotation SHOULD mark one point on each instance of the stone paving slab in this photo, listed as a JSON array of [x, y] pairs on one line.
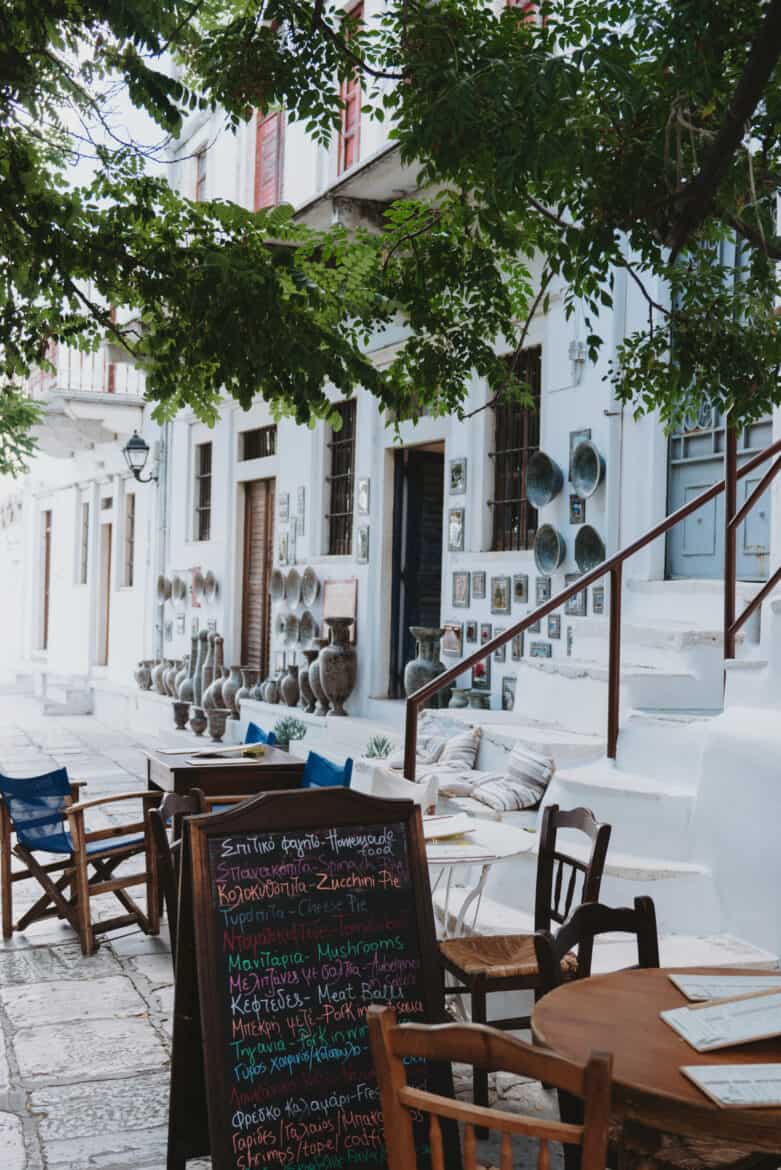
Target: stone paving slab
[[12, 1143], [41, 964], [109, 1151], [30, 1006], [101, 1107], [61, 1053]]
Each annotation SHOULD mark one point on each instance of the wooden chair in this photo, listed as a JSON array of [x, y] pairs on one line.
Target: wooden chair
[[631, 1145], [508, 962], [491, 1051], [587, 922], [167, 850], [44, 813]]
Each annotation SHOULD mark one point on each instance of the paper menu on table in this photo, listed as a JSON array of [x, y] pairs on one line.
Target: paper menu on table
[[727, 1022], [747, 1086], [700, 988]]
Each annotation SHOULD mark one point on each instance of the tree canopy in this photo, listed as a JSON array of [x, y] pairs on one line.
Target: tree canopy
[[600, 135]]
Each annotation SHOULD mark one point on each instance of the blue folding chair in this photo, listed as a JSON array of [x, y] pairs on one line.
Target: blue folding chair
[[255, 734], [44, 813], [321, 773]]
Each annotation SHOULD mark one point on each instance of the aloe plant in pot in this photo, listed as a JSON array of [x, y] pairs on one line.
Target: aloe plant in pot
[[288, 729]]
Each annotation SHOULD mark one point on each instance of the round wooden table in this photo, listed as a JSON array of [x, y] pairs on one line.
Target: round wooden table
[[619, 1013]]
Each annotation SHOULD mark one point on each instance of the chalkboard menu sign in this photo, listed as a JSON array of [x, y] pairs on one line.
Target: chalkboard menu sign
[[307, 908]]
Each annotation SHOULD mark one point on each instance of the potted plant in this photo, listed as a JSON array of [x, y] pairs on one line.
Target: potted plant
[[288, 729], [379, 747]]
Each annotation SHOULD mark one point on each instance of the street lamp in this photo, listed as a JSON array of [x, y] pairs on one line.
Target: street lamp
[[136, 452]]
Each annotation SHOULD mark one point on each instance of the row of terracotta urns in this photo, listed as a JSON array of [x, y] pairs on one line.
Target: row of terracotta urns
[[325, 682]]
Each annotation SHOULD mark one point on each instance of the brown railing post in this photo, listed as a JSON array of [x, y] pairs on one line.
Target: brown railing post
[[730, 537], [614, 661], [410, 739]]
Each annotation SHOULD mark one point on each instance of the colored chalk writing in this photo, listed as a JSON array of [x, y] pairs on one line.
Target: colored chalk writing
[[310, 928]]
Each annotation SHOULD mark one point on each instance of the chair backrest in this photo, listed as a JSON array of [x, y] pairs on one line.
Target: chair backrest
[[35, 805], [589, 920], [171, 811], [255, 734], [558, 873], [492, 1050], [321, 773]]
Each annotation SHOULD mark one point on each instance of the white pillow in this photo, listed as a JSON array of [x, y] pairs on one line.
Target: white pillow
[[529, 769], [461, 750], [428, 750]]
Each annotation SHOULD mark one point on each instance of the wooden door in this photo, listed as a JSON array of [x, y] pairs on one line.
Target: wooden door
[[104, 597], [258, 555]]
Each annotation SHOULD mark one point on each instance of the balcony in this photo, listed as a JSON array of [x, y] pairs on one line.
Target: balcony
[[88, 401], [359, 196]]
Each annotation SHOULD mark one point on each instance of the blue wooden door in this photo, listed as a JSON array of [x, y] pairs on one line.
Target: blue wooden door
[[695, 547]]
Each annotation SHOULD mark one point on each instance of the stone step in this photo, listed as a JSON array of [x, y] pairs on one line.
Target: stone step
[[664, 745], [647, 814], [573, 692], [698, 603]]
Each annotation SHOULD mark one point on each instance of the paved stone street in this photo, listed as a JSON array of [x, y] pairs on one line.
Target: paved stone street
[[84, 1042]]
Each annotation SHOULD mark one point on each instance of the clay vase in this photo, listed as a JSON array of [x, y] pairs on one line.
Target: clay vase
[[181, 674], [157, 676], [230, 688], [198, 720], [148, 663], [459, 699], [338, 664], [426, 665], [169, 678], [271, 691], [186, 693], [308, 700], [289, 686], [323, 702], [207, 670], [143, 676], [181, 711], [217, 718], [248, 679], [213, 697], [198, 671]]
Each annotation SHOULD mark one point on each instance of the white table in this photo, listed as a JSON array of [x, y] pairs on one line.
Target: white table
[[486, 843]]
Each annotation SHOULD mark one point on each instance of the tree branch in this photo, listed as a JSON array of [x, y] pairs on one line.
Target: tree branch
[[771, 247], [697, 197]]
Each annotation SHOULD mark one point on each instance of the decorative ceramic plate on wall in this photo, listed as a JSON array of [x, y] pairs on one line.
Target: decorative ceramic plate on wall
[[291, 628], [178, 590], [310, 586], [293, 588], [307, 627], [276, 585]]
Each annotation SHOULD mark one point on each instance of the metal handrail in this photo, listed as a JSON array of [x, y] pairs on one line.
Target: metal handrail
[[614, 565]]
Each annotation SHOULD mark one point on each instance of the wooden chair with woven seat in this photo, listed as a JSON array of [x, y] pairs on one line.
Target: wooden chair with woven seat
[[41, 811], [507, 962], [632, 1146], [392, 1044]]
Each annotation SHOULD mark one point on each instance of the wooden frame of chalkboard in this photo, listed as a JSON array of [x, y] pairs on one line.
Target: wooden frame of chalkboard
[[298, 909]]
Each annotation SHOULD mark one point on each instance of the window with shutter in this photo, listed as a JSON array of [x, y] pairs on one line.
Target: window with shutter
[[350, 134], [268, 159], [340, 516], [516, 438]]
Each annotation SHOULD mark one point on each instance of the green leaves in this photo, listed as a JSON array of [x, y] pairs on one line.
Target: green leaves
[[552, 154]]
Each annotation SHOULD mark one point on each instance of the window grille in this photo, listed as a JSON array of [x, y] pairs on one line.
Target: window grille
[[516, 438], [258, 443], [130, 537], [340, 517], [203, 491]]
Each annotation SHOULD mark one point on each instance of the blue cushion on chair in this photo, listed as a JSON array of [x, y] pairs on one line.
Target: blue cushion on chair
[[321, 773], [35, 805], [256, 734]]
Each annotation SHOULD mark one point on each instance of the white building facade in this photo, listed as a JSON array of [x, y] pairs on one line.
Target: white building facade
[[430, 526]]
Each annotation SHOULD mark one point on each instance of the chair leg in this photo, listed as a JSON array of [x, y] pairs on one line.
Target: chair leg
[[86, 934], [479, 1075], [6, 884]]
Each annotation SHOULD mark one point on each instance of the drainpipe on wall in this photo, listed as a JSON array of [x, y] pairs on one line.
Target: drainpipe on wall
[[162, 530]]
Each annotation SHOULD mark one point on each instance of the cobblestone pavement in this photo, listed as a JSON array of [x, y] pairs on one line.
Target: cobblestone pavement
[[84, 1042]]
